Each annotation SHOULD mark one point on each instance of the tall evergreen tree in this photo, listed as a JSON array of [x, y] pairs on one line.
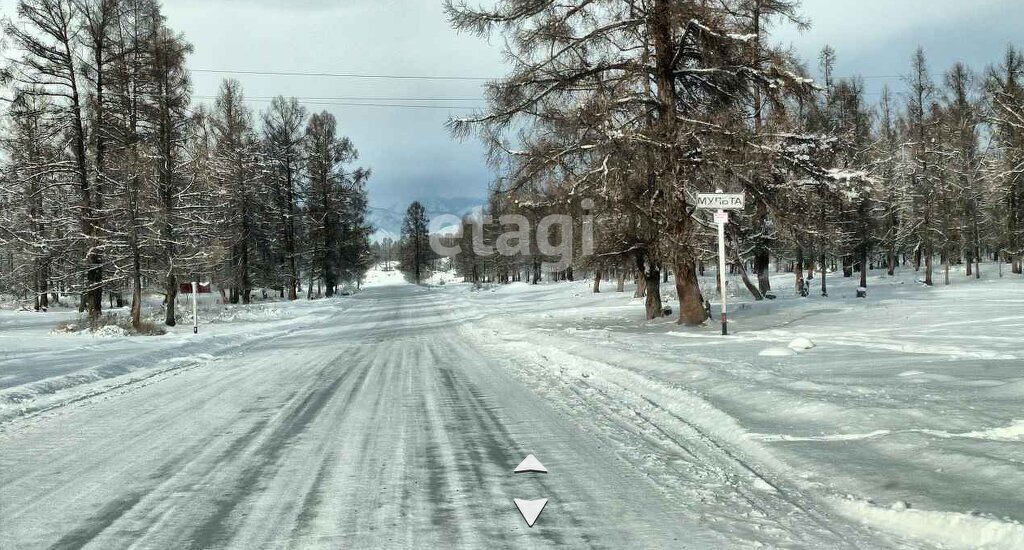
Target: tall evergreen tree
[[635, 102], [237, 175], [415, 243], [283, 125]]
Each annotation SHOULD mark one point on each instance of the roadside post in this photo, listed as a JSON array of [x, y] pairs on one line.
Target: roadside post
[[195, 288], [721, 203]]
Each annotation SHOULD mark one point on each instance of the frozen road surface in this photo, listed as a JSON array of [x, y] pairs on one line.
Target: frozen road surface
[[389, 422]]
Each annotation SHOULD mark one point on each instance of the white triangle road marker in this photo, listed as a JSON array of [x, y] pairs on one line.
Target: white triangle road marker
[[530, 509], [530, 464]]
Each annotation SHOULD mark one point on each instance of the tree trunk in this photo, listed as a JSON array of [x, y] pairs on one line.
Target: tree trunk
[[652, 276], [136, 301], [747, 282], [246, 285], [597, 281], [41, 276], [864, 267], [798, 270], [927, 267], [171, 290], [289, 247], [754, 291], [136, 290], [824, 286], [44, 286], [641, 285], [621, 283], [691, 302], [762, 260]]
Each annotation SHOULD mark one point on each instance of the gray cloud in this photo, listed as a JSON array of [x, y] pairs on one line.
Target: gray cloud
[[409, 150]]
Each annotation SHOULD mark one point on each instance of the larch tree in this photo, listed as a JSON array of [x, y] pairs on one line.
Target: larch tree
[[176, 200], [35, 221], [284, 141], [631, 99], [960, 165], [335, 201], [1005, 91], [112, 180], [415, 243], [921, 122], [236, 171], [48, 35]]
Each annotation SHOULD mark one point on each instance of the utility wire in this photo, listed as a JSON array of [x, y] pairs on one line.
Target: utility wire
[[404, 76], [342, 75], [360, 104], [364, 98], [390, 101]]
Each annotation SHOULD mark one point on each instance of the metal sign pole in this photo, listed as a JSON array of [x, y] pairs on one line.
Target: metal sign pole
[[195, 308], [721, 218], [721, 203]]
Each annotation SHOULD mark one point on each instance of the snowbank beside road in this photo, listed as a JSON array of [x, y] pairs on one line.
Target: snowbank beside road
[[41, 369], [911, 395], [949, 529]]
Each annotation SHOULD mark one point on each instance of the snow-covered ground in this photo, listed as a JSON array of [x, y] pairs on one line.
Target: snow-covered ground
[[907, 414], [42, 366], [395, 416]]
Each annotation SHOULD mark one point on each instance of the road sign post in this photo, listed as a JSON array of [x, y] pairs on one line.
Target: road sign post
[[195, 288], [721, 203], [721, 266]]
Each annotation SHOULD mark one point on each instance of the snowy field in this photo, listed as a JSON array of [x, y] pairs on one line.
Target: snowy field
[[393, 418], [907, 414], [42, 366]]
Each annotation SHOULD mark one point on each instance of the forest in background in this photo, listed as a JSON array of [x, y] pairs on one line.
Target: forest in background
[[635, 106], [113, 181]]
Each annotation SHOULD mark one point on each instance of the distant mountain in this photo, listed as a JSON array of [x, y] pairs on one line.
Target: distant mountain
[[387, 220]]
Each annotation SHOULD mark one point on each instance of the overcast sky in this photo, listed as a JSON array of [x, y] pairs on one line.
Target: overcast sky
[[409, 150]]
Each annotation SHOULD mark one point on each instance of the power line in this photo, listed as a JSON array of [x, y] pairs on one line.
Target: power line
[[365, 98], [409, 77], [361, 104], [343, 75]]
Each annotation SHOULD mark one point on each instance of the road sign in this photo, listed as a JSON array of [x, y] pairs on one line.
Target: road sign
[[203, 288], [194, 288], [720, 201]]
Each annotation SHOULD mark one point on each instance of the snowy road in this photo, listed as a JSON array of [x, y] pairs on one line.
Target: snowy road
[[388, 423]]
